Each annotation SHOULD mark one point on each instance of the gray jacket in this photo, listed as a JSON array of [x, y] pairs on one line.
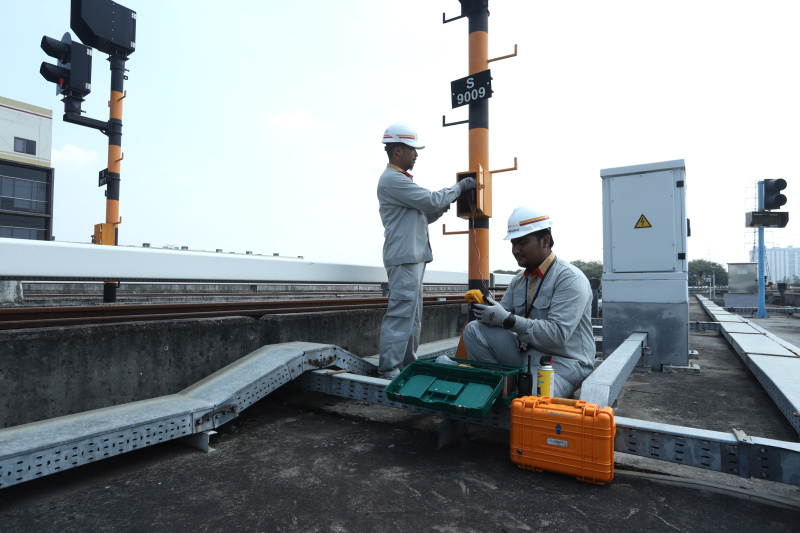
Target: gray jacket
[[406, 210], [561, 319]]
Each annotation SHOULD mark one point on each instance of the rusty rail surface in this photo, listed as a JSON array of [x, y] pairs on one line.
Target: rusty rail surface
[[40, 317]]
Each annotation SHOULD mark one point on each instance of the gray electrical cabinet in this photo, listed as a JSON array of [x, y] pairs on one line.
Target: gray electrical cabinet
[[742, 285], [645, 265]]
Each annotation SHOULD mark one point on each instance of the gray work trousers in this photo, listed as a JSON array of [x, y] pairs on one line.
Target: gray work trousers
[[402, 323], [497, 345]]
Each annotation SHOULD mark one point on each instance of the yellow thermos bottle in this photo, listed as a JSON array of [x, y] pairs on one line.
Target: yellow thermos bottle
[[545, 377]]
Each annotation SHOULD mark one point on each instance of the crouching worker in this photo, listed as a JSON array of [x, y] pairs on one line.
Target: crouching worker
[[546, 310]]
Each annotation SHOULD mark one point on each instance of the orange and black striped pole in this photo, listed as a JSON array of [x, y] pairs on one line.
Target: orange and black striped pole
[[478, 16], [108, 233], [477, 12]]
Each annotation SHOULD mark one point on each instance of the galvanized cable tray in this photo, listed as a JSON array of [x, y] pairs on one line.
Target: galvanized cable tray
[[732, 453], [41, 448], [780, 310]]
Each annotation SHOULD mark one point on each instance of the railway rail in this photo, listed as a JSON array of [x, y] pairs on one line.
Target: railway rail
[[53, 316]]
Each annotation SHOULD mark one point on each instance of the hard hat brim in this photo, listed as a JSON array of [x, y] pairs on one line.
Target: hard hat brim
[[519, 233]]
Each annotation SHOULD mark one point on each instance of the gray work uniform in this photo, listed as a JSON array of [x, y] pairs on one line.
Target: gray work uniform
[[406, 209], [560, 325]]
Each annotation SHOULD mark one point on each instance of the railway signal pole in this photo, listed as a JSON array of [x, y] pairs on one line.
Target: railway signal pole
[[475, 90], [110, 28]]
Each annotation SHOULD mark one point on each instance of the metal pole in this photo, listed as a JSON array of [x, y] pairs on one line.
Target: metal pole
[[114, 159], [714, 284], [478, 16], [762, 311]]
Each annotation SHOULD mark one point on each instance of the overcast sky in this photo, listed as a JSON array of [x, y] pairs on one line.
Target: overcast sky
[[256, 125]]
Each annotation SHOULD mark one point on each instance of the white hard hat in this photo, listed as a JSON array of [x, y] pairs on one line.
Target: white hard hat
[[400, 132], [525, 220]]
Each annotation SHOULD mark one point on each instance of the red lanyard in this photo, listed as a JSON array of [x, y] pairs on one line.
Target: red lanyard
[[529, 310]]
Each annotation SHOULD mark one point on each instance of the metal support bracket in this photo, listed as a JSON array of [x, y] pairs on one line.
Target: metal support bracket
[[215, 418], [504, 169], [445, 232], [446, 124], [450, 431], [503, 57], [76, 118], [445, 20], [200, 441], [745, 447], [692, 368], [647, 361]]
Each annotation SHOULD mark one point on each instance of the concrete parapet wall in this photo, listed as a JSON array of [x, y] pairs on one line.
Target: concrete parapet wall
[[358, 332], [50, 372], [10, 292]]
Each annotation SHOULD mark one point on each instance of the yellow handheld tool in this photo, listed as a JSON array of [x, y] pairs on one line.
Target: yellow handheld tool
[[475, 296]]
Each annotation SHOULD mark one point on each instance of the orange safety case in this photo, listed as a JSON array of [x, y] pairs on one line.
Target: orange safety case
[[567, 436]]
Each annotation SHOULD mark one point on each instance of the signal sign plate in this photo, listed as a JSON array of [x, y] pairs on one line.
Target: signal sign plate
[[473, 88], [643, 223]]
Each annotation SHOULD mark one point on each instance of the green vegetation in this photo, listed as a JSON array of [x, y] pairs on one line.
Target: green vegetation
[[699, 269], [590, 269]]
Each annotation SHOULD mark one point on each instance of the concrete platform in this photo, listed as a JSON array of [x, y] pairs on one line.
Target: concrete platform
[[298, 461]]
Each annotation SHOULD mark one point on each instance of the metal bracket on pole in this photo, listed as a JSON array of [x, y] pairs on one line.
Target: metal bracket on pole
[[445, 20], [445, 124], [445, 232], [504, 57], [75, 118], [506, 169]]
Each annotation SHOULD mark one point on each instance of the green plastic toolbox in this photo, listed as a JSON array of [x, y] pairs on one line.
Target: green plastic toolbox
[[468, 389]]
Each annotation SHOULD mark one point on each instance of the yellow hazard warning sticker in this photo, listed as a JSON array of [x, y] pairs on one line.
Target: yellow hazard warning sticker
[[643, 223]]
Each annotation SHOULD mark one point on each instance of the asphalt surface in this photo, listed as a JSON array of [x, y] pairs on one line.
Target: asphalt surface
[[300, 461]]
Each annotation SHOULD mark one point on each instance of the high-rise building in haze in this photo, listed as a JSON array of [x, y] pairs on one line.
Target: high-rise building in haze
[[783, 264]]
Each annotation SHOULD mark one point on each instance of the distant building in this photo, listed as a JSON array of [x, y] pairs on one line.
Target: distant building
[[783, 263], [26, 177]]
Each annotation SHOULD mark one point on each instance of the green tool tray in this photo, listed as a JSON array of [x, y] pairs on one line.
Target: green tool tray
[[464, 390]]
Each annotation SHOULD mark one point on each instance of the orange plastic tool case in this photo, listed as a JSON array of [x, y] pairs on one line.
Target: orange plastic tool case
[[567, 436]]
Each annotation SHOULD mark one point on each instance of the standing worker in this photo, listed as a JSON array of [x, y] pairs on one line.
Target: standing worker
[[546, 310], [406, 210]]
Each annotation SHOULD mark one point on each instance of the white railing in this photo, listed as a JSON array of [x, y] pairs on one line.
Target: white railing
[[30, 260]]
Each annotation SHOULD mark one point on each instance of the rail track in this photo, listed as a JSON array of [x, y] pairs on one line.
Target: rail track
[[54, 316]]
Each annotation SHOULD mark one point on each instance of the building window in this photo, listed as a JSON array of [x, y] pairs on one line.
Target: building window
[[22, 227], [23, 195], [24, 146]]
